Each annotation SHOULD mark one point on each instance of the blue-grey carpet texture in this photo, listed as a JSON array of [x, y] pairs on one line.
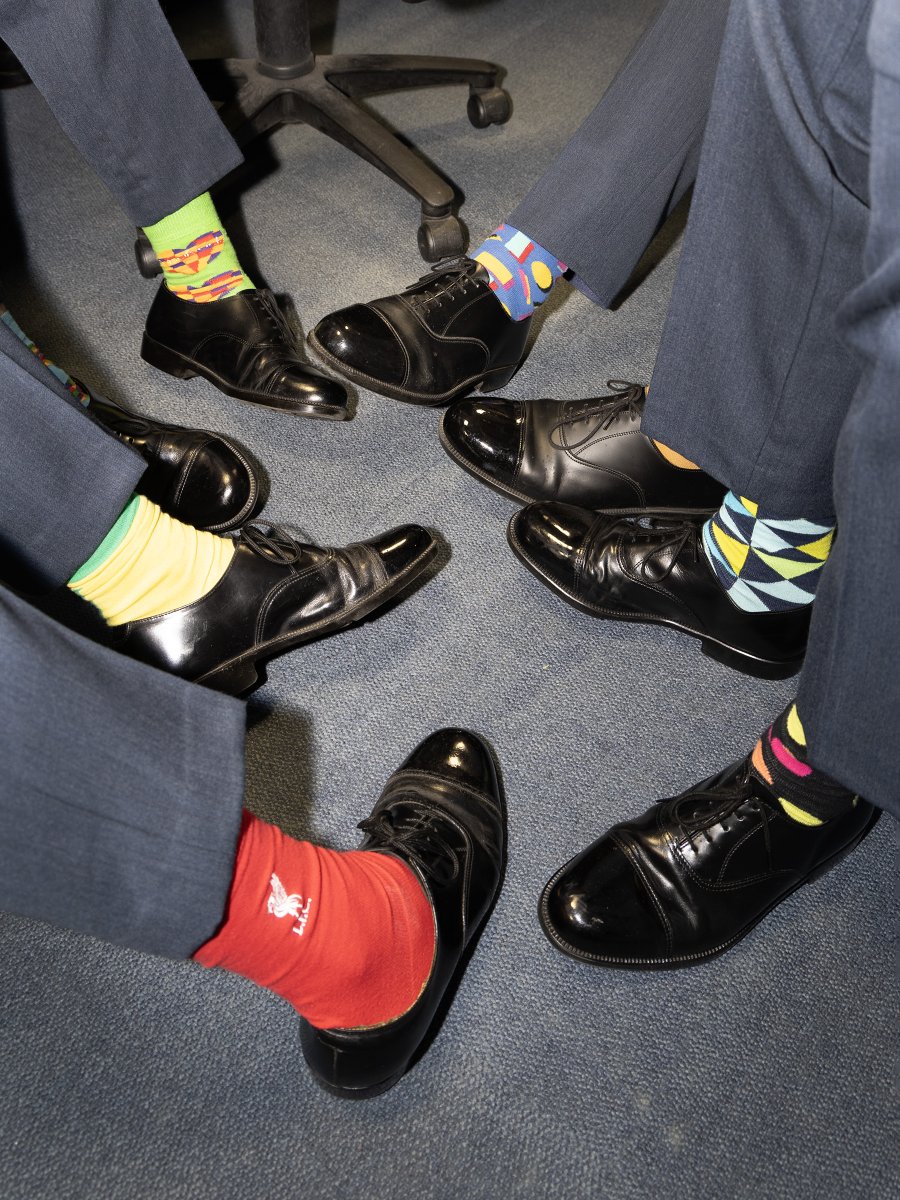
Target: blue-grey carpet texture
[[765, 1073]]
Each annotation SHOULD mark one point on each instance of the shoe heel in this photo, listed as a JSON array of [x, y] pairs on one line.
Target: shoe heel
[[234, 679], [497, 380], [757, 667], [164, 359]]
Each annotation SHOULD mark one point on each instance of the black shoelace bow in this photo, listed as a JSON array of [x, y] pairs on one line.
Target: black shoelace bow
[[696, 813], [626, 396], [447, 278], [277, 543], [415, 838]]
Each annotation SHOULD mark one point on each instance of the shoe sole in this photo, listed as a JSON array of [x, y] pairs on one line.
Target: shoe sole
[[181, 367], [685, 960], [760, 668], [240, 674], [477, 383], [505, 489]]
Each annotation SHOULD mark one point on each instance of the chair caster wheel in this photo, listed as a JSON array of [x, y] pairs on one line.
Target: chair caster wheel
[[491, 107], [148, 263], [441, 237]]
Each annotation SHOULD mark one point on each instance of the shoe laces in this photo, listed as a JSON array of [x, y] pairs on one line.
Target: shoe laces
[[449, 278], [683, 535], [269, 308], [276, 543], [121, 421], [697, 813], [626, 397], [414, 837]]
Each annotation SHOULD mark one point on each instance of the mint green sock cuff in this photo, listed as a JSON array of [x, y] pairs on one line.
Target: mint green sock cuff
[[111, 542]]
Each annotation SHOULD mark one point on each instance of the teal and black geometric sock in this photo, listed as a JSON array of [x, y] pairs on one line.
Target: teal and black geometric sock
[[765, 563], [522, 272]]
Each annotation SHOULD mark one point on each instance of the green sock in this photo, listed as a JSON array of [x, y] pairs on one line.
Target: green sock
[[198, 260], [111, 542]]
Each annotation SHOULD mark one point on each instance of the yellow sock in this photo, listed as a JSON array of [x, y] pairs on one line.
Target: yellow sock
[[155, 565]]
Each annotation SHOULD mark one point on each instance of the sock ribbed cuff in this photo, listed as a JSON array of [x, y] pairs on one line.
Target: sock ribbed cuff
[[110, 543]]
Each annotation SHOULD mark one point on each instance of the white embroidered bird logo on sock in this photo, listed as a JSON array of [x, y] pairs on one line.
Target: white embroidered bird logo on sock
[[280, 904]]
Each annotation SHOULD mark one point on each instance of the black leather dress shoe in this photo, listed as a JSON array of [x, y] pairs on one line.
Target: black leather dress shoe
[[245, 347], [443, 337], [692, 876], [654, 570], [442, 814], [199, 477], [586, 452], [276, 594]]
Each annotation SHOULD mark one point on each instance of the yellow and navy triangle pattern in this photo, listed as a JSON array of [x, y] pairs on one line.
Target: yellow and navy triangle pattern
[[765, 563]]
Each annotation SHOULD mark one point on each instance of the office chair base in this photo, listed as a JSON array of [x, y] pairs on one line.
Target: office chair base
[[322, 92]]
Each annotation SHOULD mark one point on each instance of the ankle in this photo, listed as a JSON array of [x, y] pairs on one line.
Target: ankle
[[765, 563], [347, 938], [780, 761], [522, 272], [198, 261], [150, 563]]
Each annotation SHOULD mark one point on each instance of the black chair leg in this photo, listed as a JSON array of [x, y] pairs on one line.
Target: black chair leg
[[287, 84]]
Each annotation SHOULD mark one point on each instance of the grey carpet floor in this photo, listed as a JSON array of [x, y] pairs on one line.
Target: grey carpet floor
[[766, 1073]]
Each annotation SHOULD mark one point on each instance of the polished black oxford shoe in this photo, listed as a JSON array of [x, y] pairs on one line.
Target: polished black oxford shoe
[[245, 347], [586, 452], [654, 570], [443, 337], [202, 478], [442, 814], [692, 876], [276, 594]]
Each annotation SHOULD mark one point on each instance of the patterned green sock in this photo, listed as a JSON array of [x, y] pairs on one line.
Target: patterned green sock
[[198, 260]]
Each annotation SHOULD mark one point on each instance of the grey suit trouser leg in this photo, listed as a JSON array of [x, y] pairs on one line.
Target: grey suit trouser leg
[[118, 83], [121, 786], [779, 367], [633, 158]]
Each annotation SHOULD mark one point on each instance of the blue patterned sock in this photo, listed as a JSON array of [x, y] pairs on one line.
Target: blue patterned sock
[[522, 272], [765, 563]]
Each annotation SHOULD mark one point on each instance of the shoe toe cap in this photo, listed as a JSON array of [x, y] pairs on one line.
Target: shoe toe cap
[[597, 907], [218, 488], [487, 434], [459, 757], [362, 339], [399, 549], [549, 536]]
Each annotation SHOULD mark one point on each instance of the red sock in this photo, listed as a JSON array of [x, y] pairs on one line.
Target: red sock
[[347, 938]]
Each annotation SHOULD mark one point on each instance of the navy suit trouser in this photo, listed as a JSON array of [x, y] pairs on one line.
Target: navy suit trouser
[[121, 786], [779, 366], [118, 83]]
